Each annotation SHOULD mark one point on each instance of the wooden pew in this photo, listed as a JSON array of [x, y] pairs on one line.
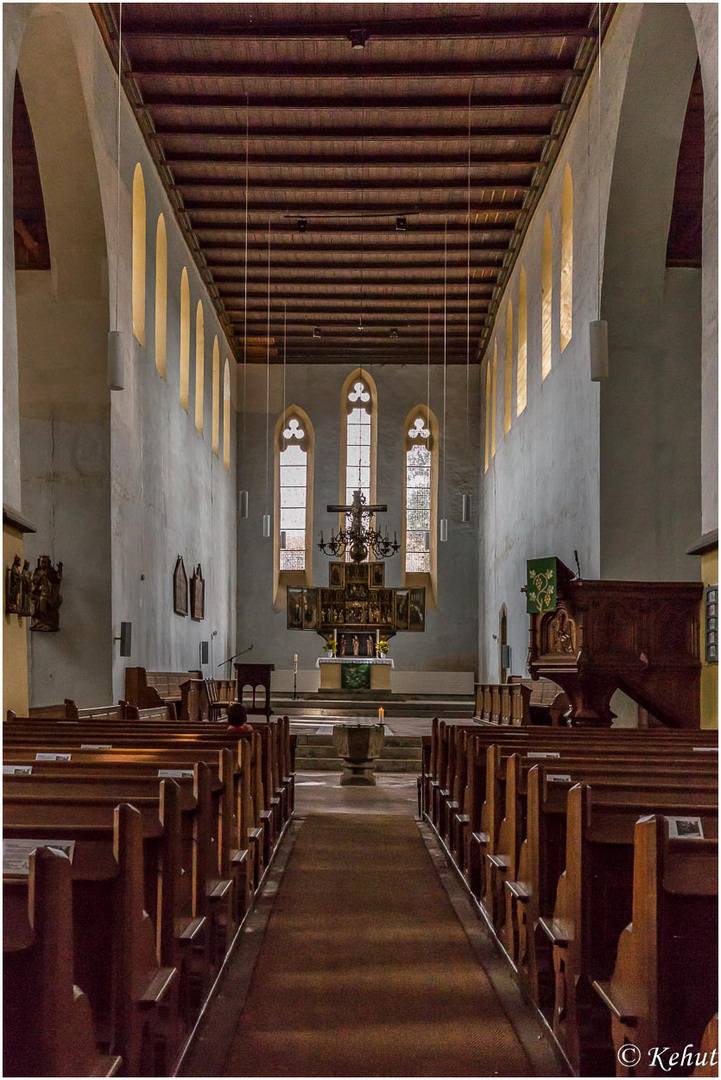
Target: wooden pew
[[132, 998], [47, 1023], [664, 986], [593, 905], [146, 689], [520, 702]]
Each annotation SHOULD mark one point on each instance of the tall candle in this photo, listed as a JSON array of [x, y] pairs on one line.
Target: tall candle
[[381, 715], [295, 662]]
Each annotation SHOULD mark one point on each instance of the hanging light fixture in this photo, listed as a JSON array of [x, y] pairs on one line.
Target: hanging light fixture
[[598, 330], [444, 519], [266, 515], [116, 339], [243, 498]]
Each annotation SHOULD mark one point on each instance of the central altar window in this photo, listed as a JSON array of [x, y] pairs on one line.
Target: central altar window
[[359, 450]]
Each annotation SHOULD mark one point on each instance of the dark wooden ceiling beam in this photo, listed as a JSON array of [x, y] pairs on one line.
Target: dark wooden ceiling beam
[[410, 308], [481, 160], [239, 70], [449, 28], [341, 211], [268, 103], [309, 318], [407, 285], [415, 229], [490, 186], [404, 249], [234, 272], [356, 134]]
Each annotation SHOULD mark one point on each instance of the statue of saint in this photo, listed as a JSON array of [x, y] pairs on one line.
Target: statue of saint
[[26, 606], [14, 587], [46, 595]]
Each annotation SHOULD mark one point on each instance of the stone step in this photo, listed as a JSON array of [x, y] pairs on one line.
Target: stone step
[[383, 765], [396, 753], [313, 739]]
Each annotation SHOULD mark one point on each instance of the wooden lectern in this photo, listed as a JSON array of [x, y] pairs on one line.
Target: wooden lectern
[[641, 637], [257, 677]]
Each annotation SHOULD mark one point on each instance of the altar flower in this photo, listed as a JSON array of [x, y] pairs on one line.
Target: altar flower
[[382, 647], [330, 647]]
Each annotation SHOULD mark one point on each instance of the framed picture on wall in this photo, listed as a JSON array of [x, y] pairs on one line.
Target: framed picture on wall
[[180, 588], [295, 608]]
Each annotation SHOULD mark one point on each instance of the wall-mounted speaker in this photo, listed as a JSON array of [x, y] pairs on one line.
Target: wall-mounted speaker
[[126, 638], [204, 652], [599, 350]]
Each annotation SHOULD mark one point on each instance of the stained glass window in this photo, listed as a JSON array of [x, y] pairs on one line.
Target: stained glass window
[[293, 494], [419, 462]]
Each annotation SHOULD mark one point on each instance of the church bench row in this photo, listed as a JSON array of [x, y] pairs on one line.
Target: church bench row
[[70, 802], [68, 710], [655, 995], [517, 863], [146, 689], [519, 703]]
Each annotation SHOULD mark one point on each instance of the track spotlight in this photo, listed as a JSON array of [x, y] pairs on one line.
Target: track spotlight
[[358, 39], [316, 332], [302, 224], [394, 332], [401, 223]]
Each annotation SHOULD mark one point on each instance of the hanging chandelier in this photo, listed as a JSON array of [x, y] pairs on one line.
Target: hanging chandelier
[[359, 539]]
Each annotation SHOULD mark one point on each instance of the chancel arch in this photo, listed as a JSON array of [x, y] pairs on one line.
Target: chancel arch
[[294, 466], [420, 501]]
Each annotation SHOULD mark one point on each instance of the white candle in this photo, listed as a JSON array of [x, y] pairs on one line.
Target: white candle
[[295, 663], [381, 715]]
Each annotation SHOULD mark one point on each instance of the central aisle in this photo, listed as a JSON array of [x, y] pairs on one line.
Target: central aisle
[[365, 969]]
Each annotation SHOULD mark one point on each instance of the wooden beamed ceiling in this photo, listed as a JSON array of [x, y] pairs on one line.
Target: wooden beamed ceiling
[[448, 116]]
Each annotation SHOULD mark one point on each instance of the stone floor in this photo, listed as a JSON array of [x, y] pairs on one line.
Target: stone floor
[[321, 793]]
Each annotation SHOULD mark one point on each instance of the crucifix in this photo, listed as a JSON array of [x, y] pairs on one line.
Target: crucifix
[[357, 539]]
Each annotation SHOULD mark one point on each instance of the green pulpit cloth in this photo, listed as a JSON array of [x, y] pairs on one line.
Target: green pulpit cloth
[[355, 676]]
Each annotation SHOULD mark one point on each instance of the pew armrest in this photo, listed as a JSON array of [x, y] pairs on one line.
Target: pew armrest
[[218, 888], [500, 862], [518, 891], [463, 819], [613, 1003], [190, 929], [107, 1065], [158, 987], [556, 933], [480, 838], [239, 857]]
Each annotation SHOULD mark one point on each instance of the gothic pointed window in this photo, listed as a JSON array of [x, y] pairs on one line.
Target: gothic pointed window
[[293, 490], [358, 460], [420, 500]]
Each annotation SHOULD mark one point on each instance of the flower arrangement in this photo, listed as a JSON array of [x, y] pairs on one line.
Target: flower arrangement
[[382, 647], [330, 647]]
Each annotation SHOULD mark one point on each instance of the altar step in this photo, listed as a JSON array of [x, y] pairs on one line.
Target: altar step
[[316, 753], [366, 704]]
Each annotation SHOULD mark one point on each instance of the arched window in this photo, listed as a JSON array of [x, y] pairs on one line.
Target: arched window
[[522, 363], [293, 501], [508, 374], [161, 295], [493, 398], [358, 438], [216, 399], [184, 341], [420, 499], [199, 365], [488, 415], [546, 299], [139, 254], [226, 416], [567, 259]]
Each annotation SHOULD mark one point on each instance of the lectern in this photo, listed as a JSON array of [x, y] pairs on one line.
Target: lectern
[[257, 677]]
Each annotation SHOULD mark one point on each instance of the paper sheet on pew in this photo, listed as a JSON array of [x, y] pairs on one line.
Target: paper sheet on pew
[[543, 753], [16, 853], [705, 749], [17, 770], [53, 757], [96, 746], [174, 774], [684, 828]]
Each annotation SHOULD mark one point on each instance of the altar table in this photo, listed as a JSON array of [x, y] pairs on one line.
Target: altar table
[[332, 672]]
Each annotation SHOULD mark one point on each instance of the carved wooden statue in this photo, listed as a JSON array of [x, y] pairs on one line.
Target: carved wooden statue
[[46, 595], [26, 604], [14, 588]]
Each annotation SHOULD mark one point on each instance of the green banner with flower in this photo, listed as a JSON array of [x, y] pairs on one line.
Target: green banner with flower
[[541, 583]]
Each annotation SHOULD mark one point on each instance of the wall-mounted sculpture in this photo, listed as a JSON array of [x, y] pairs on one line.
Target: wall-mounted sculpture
[[197, 595], [14, 588], [180, 588], [46, 598]]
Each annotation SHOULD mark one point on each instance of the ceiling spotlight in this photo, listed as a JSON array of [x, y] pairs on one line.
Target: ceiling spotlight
[[358, 39], [302, 224], [316, 331], [394, 332], [401, 224]]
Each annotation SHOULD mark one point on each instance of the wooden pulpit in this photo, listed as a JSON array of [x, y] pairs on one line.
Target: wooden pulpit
[[641, 637], [257, 677]]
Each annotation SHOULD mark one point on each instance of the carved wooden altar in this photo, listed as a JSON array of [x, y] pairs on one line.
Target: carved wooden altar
[[641, 637]]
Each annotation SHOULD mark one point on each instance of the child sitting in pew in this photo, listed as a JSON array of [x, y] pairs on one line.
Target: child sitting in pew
[[238, 719]]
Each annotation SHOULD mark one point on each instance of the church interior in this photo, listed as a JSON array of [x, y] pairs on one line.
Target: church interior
[[360, 531]]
